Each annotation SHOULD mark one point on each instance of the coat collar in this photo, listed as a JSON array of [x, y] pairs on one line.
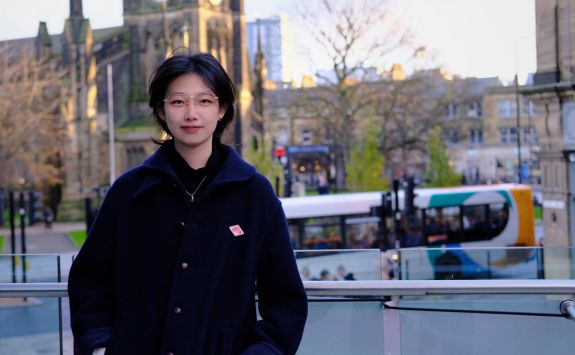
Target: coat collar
[[234, 169]]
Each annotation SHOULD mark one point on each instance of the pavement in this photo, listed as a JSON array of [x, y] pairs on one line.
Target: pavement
[[24, 337], [41, 240]]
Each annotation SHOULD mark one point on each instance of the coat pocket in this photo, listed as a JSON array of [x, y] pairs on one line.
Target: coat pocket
[[223, 338]]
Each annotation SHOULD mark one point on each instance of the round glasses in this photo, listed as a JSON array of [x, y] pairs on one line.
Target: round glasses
[[204, 100]]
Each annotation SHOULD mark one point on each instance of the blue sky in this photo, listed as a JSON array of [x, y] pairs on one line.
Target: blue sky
[[470, 37]]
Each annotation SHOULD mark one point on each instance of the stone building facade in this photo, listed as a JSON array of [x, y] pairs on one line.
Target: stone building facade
[[553, 92], [151, 31]]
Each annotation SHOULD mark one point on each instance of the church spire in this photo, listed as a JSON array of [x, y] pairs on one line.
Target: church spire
[[76, 9]]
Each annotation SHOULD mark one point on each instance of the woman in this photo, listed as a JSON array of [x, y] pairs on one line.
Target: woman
[[183, 242]]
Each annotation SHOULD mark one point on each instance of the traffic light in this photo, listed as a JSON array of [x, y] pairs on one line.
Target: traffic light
[[410, 196]]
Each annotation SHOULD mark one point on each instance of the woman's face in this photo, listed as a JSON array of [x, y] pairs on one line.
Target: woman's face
[[191, 111]]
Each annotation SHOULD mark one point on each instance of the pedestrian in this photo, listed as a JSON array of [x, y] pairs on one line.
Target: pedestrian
[[322, 187], [48, 217], [183, 242]]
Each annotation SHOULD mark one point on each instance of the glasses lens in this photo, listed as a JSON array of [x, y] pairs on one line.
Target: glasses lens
[[177, 100], [205, 100]]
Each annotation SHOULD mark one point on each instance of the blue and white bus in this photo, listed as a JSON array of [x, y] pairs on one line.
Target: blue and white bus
[[445, 222]]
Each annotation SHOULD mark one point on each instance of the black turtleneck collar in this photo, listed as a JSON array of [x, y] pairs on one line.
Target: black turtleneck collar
[[190, 177]]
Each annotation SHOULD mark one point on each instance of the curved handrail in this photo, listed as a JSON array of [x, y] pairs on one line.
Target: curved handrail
[[357, 288]]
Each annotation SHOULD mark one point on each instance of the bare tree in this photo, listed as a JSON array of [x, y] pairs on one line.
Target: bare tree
[[32, 131], [354, 36], [407, 112]]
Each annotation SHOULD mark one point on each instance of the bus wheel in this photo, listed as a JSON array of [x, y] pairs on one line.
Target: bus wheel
[[448, 267]]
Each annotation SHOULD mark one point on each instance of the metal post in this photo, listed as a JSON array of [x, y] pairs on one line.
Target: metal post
[[277, 186], [111, 123], [518, 124], [397, 214], [12, 232], [60, 328], [287, 175], [383, 219], [540, 263], [22, 213]]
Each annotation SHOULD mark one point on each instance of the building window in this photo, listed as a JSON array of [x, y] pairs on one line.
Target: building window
[[506, 108], [451, 110], [529, 135], [306, 136], [283, 136], [476, 136], [450, 136], [529, 108], [508, 135], [474, 110]]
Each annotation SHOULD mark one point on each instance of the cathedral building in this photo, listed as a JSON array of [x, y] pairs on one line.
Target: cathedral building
[[151, 31]]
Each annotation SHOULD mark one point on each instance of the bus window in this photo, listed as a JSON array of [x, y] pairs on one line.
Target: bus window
[[361, 232], [498, 217], [322, 233], [294, 232], [442, 225]]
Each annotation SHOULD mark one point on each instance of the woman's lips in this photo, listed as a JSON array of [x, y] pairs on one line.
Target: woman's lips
[[191, 129]]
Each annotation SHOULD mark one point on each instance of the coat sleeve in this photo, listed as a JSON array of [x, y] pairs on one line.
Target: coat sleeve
[[282, 301], [90, 284]]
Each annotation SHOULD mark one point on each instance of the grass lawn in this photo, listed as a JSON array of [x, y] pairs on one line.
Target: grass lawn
[[77, 237], [1, 243]]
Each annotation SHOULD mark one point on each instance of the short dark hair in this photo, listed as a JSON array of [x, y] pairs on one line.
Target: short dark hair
[[209, 69]]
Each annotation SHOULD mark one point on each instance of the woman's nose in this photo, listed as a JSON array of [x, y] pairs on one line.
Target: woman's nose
[[191, 111]]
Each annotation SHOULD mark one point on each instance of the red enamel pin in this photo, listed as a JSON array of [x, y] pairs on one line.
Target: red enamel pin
[[236, 230]]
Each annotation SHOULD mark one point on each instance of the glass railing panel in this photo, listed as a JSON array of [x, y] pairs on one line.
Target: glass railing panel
[[340, 264], [30, 268], [533, 304], [558, 263], [32, 326], [481, 324], [343, 327], [488, 263]]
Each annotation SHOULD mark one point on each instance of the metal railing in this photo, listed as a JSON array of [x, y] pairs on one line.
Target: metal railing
[[320, 291], [358, 288]]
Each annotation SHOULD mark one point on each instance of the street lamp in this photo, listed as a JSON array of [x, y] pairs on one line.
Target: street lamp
[[518, 124]]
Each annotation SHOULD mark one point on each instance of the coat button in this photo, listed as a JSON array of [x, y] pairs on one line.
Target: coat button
[[181, 224], [177, 310], [184, 266], [170, 353]]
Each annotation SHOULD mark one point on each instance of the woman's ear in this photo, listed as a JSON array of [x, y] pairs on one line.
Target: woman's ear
[[161, 113], [223, 109]]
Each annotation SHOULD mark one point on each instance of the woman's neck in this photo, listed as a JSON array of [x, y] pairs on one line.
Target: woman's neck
[[196, 157]]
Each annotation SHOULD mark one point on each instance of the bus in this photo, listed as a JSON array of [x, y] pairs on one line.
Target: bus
[[447, 220]]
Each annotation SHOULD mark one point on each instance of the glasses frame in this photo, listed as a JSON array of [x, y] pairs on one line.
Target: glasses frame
[[190, 99]]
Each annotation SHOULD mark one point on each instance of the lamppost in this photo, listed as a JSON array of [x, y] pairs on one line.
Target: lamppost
[[518, 124]]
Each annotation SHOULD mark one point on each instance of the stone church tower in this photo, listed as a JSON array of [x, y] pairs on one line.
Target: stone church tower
[[159, 29], [151, 31], [83, 158]]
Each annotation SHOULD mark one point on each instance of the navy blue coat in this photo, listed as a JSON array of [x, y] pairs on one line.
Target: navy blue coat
[[130, 293]]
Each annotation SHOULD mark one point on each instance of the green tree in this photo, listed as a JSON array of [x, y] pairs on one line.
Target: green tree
[[366, 165], [260, 156], [439, 172]]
